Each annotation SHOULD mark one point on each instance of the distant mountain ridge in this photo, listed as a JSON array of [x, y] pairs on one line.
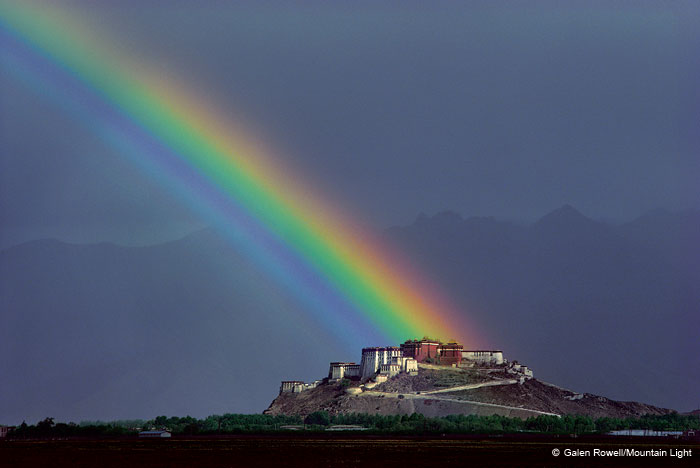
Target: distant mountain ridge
[[617, 305], [109, 332]]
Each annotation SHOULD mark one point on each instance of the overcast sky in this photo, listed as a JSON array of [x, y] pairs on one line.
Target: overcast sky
[[392, 108]]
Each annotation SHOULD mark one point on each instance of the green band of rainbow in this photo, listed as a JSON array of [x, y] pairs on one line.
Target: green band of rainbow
[[382, 287]]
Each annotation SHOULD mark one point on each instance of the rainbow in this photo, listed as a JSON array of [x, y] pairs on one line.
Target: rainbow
[[354, 284]]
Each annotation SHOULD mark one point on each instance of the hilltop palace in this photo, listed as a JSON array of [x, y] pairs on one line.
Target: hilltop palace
[[381, 364]]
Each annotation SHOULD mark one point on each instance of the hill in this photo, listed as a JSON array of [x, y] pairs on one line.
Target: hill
[[441, 391]]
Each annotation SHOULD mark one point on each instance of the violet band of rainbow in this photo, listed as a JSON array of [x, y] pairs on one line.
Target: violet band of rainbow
[[282, 216]]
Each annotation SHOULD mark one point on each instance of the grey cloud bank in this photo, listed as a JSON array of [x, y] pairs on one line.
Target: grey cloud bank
[[485, 109]]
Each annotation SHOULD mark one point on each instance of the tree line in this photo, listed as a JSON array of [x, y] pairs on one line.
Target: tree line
[[386, 424]]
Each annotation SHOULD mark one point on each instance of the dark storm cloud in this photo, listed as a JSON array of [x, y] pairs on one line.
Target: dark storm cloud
[[505, 110], [484, 108], [58, 179]]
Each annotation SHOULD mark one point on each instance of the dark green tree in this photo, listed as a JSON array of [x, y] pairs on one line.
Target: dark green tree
[[320, 418]]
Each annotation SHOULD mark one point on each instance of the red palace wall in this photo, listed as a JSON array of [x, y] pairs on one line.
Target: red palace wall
[[450, 354], [421, 351]]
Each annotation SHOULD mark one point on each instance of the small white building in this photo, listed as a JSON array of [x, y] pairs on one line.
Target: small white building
[[488, 357], [342, 370], [291, 386], [154, 434], [310, 385], [516, 368], [346, 427], [406, 364], [297, 386], [292, 427], [645, 433], [373, 358], [390, 370]]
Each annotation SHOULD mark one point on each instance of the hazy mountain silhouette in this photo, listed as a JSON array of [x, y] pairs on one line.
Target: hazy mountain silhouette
[[188, 327], [613, 310], [102, 331]]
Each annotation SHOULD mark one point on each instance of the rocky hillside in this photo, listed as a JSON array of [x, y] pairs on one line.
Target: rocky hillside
[[443, 391]]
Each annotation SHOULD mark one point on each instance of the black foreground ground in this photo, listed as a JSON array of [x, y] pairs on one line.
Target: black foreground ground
[[338, 451]]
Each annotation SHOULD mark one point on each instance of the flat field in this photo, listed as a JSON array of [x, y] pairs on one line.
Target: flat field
[[336, 451]]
